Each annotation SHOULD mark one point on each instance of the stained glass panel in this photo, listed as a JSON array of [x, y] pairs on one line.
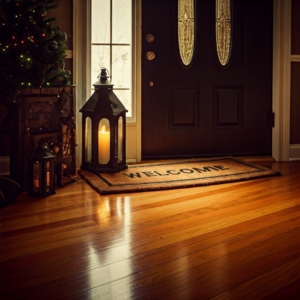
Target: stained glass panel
[[223, 30], [186, 30]]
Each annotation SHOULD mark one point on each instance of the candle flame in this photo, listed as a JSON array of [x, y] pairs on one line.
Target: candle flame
[[103, 129]]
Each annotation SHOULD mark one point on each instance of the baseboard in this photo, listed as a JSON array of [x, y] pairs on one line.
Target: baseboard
[[294, 152], [4, 165], [258, 159], [130, 160]]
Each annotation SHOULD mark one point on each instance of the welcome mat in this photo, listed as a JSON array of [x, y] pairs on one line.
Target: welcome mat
[[174, 174]]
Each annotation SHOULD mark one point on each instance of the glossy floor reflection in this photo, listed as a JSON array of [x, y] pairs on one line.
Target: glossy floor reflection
[[229, 241]]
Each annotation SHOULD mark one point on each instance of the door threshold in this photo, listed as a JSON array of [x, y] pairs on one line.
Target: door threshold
[[258, 159]]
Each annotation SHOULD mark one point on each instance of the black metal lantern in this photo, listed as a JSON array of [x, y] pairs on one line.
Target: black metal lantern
[[103, 129], [41, 172]]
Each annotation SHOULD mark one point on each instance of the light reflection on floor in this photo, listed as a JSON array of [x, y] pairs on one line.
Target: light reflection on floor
[[112, 262]]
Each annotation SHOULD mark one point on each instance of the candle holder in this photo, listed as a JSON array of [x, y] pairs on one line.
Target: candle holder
[[104, 129], [41, 172]]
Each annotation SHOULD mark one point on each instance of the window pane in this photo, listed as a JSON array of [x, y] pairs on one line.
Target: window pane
[[121, 66], [125, 97], [121, 21], [100, 21], [100, 58]]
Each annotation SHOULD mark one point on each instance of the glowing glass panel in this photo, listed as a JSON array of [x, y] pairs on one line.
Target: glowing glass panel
[[186, 30], [223, 30], [104, 141], [88, 139]]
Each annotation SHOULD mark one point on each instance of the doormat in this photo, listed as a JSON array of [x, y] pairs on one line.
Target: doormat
[[174, 174]]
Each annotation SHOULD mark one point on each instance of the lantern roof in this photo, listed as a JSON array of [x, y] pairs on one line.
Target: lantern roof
[[41, 152], [103, 101]]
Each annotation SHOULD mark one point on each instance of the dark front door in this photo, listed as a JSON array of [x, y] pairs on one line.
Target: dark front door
[[207, 109]]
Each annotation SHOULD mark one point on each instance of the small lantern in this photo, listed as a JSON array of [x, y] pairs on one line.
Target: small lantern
[[41, 172], [103, 129]]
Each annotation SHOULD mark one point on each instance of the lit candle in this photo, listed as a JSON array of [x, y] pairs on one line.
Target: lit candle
[[104, 146]]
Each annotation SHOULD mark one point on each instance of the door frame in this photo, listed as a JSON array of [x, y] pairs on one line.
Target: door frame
[[281, 76]]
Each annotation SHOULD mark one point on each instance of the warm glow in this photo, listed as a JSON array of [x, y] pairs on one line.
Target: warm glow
[[103, 145]]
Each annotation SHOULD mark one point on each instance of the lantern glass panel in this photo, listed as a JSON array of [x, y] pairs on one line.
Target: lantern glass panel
[[88, 139], [120, 139], [47, 176], [104, 141], [37, 175]]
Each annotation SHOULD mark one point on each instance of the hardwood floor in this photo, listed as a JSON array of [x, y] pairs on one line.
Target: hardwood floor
[[229, 241]]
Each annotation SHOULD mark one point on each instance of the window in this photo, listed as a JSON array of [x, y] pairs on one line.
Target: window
[[223, 30], [111, 46], [186, 29]]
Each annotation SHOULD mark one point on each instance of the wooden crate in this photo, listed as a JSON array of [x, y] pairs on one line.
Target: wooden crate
[[47, 115]]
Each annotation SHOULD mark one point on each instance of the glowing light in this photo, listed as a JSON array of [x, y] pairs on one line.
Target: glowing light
[[21, 55], [28, 59], [48, 83], [13, 37]]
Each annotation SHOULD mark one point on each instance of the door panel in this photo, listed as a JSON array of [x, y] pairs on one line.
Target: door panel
[[207, 110]]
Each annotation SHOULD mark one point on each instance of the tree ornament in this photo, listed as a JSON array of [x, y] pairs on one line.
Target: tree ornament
[[53, 45]]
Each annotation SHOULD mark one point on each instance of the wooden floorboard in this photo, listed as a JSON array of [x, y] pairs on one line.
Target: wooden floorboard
[[230, 241]]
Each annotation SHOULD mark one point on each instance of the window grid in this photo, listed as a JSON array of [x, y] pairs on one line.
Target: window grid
[[110, 67]]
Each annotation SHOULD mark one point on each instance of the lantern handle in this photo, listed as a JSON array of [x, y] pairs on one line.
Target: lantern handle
[[104, 74]]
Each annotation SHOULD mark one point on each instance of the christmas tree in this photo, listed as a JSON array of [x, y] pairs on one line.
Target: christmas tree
[[32, 48]]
